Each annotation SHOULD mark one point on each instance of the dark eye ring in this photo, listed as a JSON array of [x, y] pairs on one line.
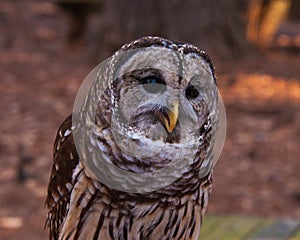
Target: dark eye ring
[[191, 92], [153, 84]]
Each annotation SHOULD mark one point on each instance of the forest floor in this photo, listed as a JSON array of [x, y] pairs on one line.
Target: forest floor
[[256, 175]]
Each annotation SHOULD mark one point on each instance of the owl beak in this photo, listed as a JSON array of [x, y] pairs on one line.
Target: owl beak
[[171, 118]]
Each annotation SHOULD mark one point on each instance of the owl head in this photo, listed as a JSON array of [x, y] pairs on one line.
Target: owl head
[[149, 115]]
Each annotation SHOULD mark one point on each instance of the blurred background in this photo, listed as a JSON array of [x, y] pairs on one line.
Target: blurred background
[[48, 47]]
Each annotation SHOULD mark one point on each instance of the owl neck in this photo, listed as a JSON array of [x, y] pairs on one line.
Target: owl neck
[[174, 195]]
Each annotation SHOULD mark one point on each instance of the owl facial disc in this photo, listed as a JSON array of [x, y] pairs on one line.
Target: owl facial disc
[[146, 115]]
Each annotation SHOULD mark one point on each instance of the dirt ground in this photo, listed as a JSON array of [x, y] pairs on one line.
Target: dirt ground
[[256, 175]]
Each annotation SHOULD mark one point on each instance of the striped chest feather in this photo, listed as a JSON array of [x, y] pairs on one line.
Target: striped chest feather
[[98, 215]]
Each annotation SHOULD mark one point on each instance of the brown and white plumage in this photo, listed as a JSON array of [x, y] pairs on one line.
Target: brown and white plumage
[[82, 207]]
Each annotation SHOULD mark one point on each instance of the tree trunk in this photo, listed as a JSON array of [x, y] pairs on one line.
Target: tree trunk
[[264, 19], [213, 25]]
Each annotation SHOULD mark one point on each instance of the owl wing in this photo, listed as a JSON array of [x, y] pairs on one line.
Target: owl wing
[[61, 180]]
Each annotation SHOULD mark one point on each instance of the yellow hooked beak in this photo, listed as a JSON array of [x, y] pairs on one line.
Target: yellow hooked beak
[[171, 119]]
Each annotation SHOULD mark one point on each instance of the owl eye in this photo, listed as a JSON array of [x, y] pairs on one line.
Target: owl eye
[[153, 84], [191, 92]]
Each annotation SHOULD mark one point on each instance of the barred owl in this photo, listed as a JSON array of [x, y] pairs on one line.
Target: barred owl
[[133, 161]]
